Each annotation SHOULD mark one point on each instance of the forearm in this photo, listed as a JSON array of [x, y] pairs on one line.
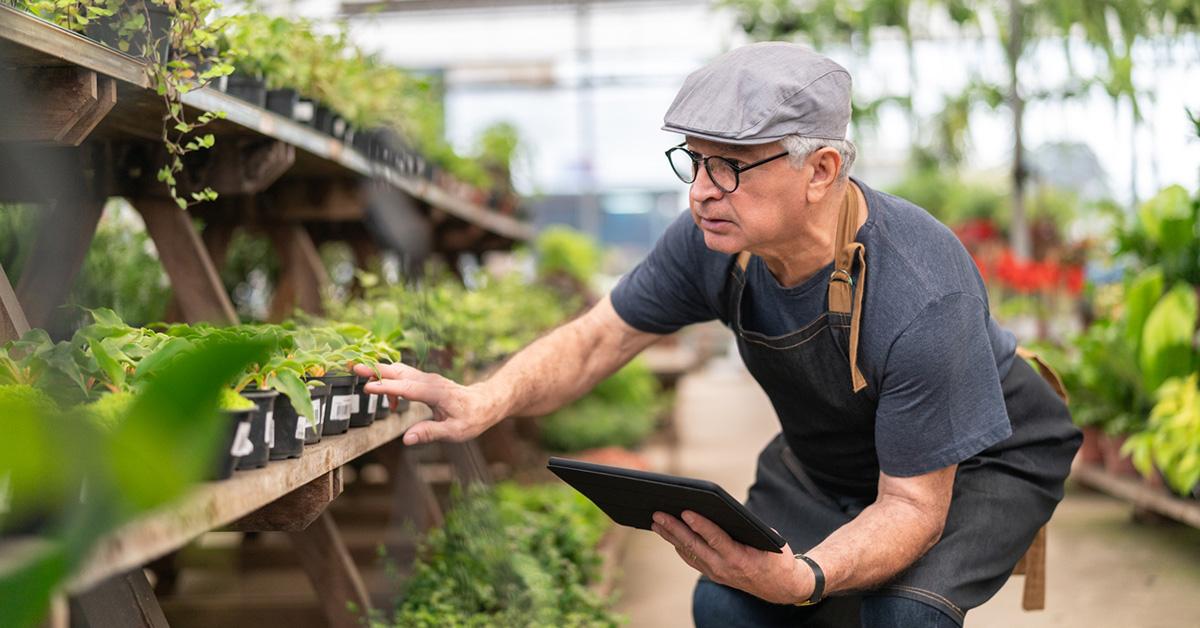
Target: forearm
[[885, 539], [564, 364]]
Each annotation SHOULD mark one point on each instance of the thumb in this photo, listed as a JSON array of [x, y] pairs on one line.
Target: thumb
[[429, 431]]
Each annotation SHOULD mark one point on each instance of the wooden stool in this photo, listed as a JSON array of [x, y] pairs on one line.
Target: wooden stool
[[1033, 567], [1033, 563]]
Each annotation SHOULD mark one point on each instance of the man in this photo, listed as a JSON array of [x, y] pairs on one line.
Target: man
[[917, 458]]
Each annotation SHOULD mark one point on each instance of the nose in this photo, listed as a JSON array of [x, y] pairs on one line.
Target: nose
[[703, 189]]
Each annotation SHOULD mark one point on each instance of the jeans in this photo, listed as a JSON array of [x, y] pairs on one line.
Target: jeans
[[718, 606]]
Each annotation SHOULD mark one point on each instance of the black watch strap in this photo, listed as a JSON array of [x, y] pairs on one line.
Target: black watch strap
[[818, 581]]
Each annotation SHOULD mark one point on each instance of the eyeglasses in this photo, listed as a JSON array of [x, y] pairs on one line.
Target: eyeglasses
[[723, 171]]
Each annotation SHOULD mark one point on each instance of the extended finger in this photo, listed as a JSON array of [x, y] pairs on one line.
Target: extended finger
[[412, 390], [388, 371]]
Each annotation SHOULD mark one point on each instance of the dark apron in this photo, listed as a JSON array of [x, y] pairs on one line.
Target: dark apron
[[1002, 496]]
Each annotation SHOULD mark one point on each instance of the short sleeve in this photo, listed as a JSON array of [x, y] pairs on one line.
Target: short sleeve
[[671, 288], [940, 398]]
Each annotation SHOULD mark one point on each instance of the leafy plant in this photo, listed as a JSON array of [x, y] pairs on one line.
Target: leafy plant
[[74, 15], [121, 271], [621, 411], [567, 252], [1171, 440], [231, 401], [109, 410], [509, 556], [1165, 232], [161, 446]]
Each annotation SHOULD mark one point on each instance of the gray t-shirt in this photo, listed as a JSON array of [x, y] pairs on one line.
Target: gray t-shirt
[[932, 354]]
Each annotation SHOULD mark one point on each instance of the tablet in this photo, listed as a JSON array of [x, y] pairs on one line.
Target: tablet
[[631, 497]]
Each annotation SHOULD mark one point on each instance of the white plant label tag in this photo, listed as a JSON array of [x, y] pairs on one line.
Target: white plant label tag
[[241, 441], [372, 404], [342, 407], [302, 421], [270, 429], [357, 404], [386, 403]]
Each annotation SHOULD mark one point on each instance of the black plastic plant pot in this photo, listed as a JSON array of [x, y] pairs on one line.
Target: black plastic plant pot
[[248, 88], [282, 101], [323, 119], [341, 403], [235, 443], [158, 29], [401, 407], [338, 127], [261, 435], [291, 428], [320, 399], [362, 142], [262, 428], [365, 405]]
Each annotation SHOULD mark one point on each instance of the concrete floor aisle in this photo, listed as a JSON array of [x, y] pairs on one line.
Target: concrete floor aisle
[[1104, 570]]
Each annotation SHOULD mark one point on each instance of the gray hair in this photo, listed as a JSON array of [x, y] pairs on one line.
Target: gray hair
[[800, 147]]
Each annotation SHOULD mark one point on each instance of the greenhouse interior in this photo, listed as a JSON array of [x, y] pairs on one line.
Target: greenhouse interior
[[467, 313]]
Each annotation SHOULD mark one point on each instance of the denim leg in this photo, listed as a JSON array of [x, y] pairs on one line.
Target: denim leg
[[718, 606], [886, 611]]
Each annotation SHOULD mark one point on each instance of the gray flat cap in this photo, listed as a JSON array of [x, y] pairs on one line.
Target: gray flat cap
[[759, 93]]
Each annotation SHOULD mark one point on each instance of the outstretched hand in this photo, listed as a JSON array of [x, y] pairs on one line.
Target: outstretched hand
[[702, 544], [460, 412]]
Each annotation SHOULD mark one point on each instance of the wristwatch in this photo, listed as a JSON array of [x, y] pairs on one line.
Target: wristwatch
[[818, 581]]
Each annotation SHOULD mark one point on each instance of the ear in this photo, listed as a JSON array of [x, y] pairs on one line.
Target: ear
[[825, 164]]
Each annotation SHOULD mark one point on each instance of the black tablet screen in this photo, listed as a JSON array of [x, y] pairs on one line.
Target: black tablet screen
[[631, 498]]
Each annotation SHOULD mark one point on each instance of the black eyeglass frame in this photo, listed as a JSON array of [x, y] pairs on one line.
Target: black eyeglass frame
[[697, 158]]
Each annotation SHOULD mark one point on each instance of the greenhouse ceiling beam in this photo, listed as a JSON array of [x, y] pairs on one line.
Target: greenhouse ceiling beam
[[369, 7]]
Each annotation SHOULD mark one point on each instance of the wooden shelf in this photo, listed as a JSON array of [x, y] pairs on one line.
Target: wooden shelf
[[27, 41], [216, 504], [213, 505], [1132, 490]]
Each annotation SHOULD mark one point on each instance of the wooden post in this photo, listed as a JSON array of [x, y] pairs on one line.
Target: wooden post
[[197, 285], [13, 323], [333, 573], [123, 601], [1033, 597], [64, 234], [216, 236], [303, 279]]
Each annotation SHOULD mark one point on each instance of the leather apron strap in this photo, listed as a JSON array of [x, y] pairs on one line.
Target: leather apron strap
[[842, 296], [1047, 373]]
